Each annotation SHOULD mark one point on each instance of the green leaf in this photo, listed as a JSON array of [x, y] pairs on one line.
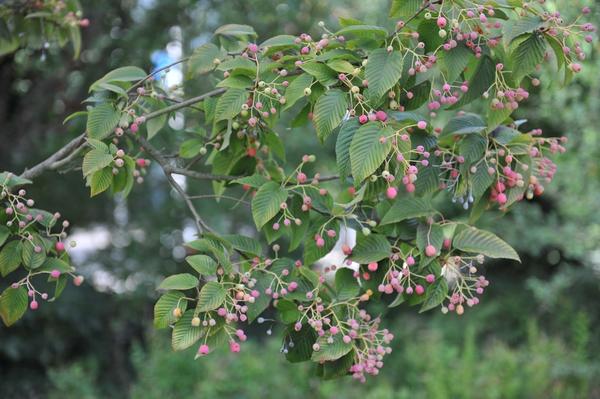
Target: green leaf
[[329, 111], [13, 180], [321, 72], [235, 30], [203, 264], [342, 146], [405, 8], [436, 293], [254, 181], [266, 203], [164, 307], [473, 240], [464, 124], [312, 253], [100, 181], [190, 148], [95, 160], [383, 71], [183, 281], [279, 41], [10, 257], [154, 125], [4, 234], [123, 74], [230, 104], [516, 27], [363, 31], [13, 305], [288, 311], [528, 55], [339, 65], [211, 297], [371, 248], [331, 351], [236, 82], [244, 244], [407, 208], [455, 61], [55, 264], [367, 153], [102, 120], [295, 91], [184, 334], [479, 83], [346, 285], [202, 59], [299, 343], [32, 259]]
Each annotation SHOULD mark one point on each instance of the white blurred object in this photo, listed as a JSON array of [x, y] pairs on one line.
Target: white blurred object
[[336, 257]]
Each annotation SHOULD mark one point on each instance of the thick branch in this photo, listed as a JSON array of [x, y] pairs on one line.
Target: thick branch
[[54, 161]]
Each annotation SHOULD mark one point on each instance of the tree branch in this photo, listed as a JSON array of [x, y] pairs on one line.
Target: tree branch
[[54, 161]]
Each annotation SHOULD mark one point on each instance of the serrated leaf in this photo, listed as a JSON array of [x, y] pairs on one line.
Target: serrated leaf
[[479, 83], [279, 41], [455, 61], [299, 343], [244, 244], [13, 305], [321, 72], [254, 181], [342, 146], [371, 248], [4, 234], [154, 125], [516, 27], [367, 152], [31, 258], [183, 281], [10, 257], [295, 90], [436, 293], [404, 8], [212, 295], [55, 264], [383, 71], [164, 307], [331, 351], [363, 31], [100, 181], [407, 208], [528, 55], [203, 264], [230, 104], [202, 59], [266, 203], [329, 112], [464, 124], [473, 240], [13, 180], [346, 285], [102, 120], [235, 30], [95, 160], [123, 74], [184, 334]]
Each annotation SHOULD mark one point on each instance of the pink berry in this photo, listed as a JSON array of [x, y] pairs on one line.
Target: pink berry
[[430, 278], [320, 242], [331, 233], [203, 350], [410, 261], [78, 281], [363, 119], [422, 125], [372, 266], [60, 247], [381, 116], [430, 250], [391, 192], [134, 127], [33, 305], [501, 198], [419, 290], [55, 273]]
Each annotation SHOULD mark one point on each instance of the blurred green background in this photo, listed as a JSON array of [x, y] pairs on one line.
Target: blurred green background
[[535, 334]]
